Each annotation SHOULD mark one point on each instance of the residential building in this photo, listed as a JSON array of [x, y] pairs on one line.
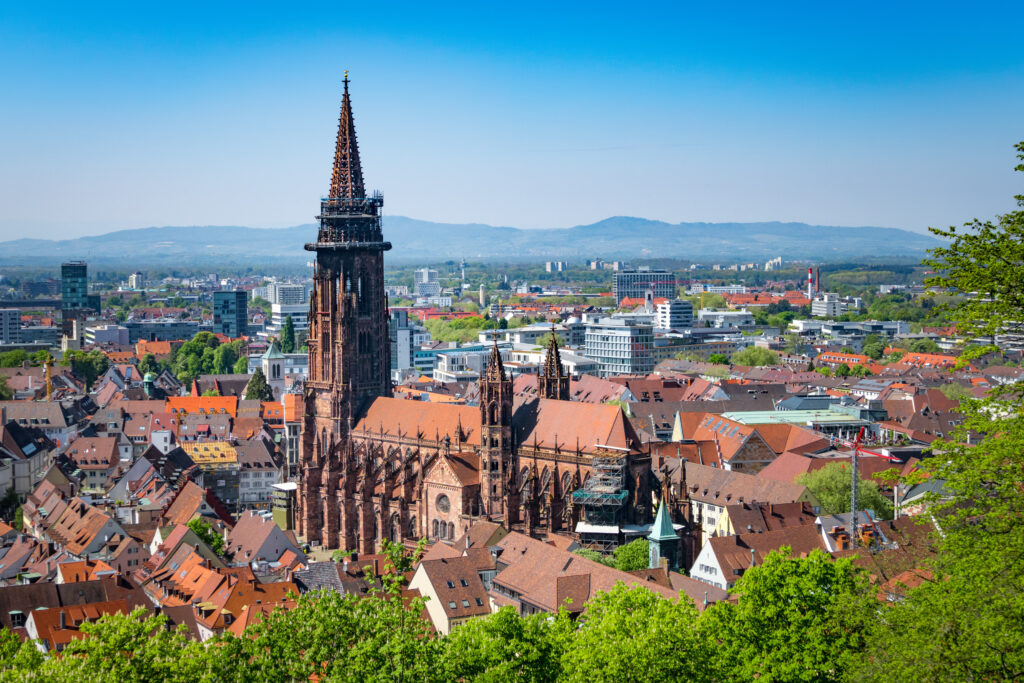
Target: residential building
[[100, 458], [425, 283], [620, 346], [255, 538], [674, 314], [10, 326], [406, 338], [25, 455], [160, 330], [286, 293], [724, 559], [219, 462], [259, 469], [453, 589], [299, 313], [556, 266], [231, 313], [107, 334], [827, 305], [636, 283], [137, 280], [709, 317]]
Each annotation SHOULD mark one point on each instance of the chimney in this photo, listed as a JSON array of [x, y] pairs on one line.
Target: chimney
[[63, 620]]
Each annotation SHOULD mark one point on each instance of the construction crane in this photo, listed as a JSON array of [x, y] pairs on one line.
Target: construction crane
[[48, 363], [855, 477]]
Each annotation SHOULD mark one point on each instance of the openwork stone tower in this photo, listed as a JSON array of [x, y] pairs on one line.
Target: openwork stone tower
[[349, 352]]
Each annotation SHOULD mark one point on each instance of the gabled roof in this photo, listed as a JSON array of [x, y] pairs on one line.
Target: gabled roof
[[564, 424], [457, 584], [737, 553], [391, 415], [549, 578]]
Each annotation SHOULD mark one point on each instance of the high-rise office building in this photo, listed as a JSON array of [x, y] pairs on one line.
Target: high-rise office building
[[674, 314], [137, 280], [231, 313], [426, 284], [74, 289], [10, 326], [286, 294], [635, 284]]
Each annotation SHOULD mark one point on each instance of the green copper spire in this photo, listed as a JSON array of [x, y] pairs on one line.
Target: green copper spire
[[662, 530]]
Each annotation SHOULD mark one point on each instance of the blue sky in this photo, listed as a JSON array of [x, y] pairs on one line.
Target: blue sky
[[525, 114]]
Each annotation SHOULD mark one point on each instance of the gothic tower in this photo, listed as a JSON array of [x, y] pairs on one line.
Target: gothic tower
[[498, 476], [553, 381], [349, 351]]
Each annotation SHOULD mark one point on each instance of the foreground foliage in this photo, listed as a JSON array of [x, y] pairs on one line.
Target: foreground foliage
[[797, 619]]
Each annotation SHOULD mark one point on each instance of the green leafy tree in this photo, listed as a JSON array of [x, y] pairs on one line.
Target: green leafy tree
[[156, 652], [985, 262], [6, 393], [955, 391], [796, 619], [595, 556], [288, 336], [148, 364], [13, 359], [631, 634], [207, 534], [507, 647], [546, 339], [859, 371], [377, 637], [17, 655], [241, 366], [196, 357], [831, 486], [211, 392], [873, 346], [843, 370], [632, 556], [966, 623], [755, 356], [924, 346], [257, 389], [89, 365], [718, 359], [224, 358]]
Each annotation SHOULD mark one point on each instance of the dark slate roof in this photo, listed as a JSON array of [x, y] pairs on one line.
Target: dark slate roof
[[327, 576]]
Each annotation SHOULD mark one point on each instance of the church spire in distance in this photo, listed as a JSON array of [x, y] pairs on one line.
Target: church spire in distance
[[347, 178]]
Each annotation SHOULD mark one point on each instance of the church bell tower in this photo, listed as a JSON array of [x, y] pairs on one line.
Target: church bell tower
[[349, 349], [499, 491]]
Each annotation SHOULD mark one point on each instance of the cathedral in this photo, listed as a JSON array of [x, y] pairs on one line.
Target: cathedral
[[374, 467]]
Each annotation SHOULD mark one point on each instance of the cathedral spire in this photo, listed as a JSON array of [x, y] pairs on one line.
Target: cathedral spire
[[552, 381], [347, 178], [553, 361], [495, 368]]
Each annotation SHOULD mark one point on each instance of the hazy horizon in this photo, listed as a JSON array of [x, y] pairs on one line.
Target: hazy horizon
[[127, 116]]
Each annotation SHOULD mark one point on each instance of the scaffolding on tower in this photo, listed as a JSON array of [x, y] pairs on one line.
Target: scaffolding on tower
[[602, 500]]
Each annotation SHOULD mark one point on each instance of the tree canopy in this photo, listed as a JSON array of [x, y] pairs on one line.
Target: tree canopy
[[831, 486], [257, 389], [755, 356], [288, 336]]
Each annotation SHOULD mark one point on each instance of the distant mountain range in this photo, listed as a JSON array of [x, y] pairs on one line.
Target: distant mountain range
[[621, 237]]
